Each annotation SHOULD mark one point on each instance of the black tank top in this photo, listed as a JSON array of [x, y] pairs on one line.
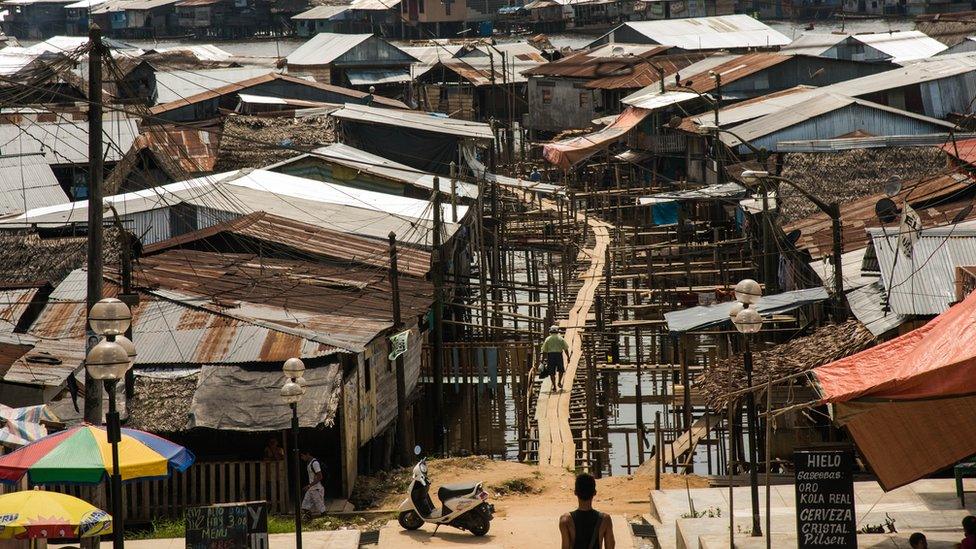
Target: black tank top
[[587, 525]]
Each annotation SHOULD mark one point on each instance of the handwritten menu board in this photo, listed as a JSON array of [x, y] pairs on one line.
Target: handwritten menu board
[[227, 526], [825, 498]]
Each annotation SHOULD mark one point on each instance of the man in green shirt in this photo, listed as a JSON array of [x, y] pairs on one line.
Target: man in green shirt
[[553, 348]]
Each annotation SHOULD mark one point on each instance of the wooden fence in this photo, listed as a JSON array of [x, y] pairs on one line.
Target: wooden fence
[[204, 483]]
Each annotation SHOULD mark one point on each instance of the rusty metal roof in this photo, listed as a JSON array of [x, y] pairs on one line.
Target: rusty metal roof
[[642, 74], [734, 69], [342, 248], [598, 62], [936, 200], [42, 362], [236, 87], [181, 151], [168, 332], [346, 305]]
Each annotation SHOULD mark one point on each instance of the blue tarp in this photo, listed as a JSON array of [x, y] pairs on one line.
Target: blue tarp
[[700, 317], [665, 213]]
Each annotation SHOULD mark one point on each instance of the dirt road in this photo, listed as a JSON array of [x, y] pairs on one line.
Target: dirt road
[[528, 501]]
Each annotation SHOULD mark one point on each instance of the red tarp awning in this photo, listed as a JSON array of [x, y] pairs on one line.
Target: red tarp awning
[[909, 403], [935, 361], [566, 153]]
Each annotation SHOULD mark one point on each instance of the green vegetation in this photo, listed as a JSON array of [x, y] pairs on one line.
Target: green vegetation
[[523, 485]]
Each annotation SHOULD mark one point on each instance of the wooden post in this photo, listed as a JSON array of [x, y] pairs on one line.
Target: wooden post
[[403, 453], [658, 449], [640, 403], [454, 217], [437, 343], [96, 171]]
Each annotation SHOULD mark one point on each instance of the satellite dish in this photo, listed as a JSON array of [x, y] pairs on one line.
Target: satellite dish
[[963, 213], [886, 210], [416, 450], [617, 51], [892, 187], [675, 122]]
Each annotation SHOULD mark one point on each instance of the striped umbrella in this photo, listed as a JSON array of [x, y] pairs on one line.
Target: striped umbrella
[[83, 455]]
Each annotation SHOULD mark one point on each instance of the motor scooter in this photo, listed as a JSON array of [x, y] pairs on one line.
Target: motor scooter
[[464, 506]]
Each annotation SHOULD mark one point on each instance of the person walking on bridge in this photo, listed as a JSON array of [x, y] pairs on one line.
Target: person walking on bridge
[[552, 349]]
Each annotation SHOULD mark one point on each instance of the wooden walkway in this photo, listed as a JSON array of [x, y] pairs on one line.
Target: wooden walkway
[[556, 444]]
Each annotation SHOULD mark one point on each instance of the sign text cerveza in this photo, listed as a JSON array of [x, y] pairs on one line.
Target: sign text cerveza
[[825, 499]]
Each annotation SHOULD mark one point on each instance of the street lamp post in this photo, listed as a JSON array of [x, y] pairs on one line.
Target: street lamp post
[[749, 321], [291, 393], [832, 210], [108, 361]]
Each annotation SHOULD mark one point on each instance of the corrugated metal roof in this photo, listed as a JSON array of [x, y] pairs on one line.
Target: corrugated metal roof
[[67, 142], [710, 33], [416, 120], [364, 77], [851, 263], [362, 161], [697, 318], [47, 362], [902, 46], [749, 109], [29, 186], [374, 5], [174, 85], [342, 248], [814, 43], [820, 103], [924, 70], [336, 303], [203, 52], [923, 284], [698, 67], [867, 304], [325, 47], [237, 87], [323, 204], [870, 142], [321, 12], [180, 150], [733, 70], [599, 61], [949, 193], [708, 192], [167, 332]]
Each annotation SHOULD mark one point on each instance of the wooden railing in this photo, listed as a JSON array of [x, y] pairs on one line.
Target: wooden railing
[[204, 483]]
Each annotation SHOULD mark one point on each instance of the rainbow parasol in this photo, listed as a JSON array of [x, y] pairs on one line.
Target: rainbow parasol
[[37, 514], [83, 455]]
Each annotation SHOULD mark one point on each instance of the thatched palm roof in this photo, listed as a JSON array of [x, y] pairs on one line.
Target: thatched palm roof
[[826, 344]]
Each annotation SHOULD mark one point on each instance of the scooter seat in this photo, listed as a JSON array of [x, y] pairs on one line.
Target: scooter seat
[[449, 491]]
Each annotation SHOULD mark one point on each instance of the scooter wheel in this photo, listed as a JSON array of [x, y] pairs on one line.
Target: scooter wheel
[[410, 520], [479, 524]]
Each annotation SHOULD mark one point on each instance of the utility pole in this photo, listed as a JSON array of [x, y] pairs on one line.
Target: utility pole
[[437, 335], [718, 140], [93, 388], [403, 456]]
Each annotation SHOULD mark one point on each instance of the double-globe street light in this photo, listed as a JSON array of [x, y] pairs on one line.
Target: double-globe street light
[[291, 393], [108, 361], [748, 321]]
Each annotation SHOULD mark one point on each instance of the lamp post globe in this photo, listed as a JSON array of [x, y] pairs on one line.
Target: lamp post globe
[[107, 361], [735, 310], [291, 392], [293, 368], [109, 317], [302, 383], [748, 321], [748, 291], [130, 348]]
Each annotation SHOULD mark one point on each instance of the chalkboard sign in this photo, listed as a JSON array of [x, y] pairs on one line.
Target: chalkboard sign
[[825, 498], [227, 526]]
